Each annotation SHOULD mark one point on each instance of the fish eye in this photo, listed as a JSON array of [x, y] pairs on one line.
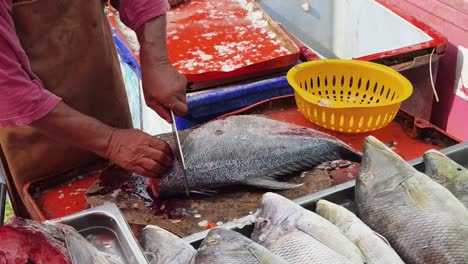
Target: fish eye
[[213, 241], [151, 257], [263, 222], [366, 177]]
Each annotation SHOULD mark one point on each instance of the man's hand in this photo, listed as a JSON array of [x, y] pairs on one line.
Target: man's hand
[[163, 86], [139, 152], [131, 149]]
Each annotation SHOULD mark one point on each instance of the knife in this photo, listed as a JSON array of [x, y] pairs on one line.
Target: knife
[[179, 153], [3, 191]]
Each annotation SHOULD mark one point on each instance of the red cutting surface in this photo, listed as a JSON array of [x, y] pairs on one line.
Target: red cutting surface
[[67, 199], [219, 36]]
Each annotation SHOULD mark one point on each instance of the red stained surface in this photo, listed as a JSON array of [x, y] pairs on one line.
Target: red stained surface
[[66, 199], [18, 245], [218, 36]]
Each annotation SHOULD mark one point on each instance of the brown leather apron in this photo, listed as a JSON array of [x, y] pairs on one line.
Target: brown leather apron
[[70, 47]]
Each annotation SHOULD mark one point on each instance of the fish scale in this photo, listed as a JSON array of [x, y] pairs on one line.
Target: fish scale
[[422, 220], [297, 247], [416, 247], [251, 150]]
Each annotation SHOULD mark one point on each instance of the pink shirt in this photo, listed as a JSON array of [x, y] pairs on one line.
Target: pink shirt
[[23, 98]]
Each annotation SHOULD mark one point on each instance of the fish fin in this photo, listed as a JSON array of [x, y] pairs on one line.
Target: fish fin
[[328, 235], [415, 192], [268, 182], [304, 164], [381, 237], [204, 192], [361, 247], [263, 255]]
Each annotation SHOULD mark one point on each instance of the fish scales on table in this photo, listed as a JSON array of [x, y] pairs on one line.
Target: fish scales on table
[[421, 219], [301, 236], [448, 173], [250, 150]]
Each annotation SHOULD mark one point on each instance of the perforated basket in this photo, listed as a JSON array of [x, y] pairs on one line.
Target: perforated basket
[[348, 95]]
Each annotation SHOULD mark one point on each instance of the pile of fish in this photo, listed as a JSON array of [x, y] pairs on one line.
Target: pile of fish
[[284, 232], [405, 216], [249, 150], [27, 241]]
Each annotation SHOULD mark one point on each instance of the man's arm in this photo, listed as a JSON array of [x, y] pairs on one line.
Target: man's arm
[[163, 86], [24, 101], [131, 149]]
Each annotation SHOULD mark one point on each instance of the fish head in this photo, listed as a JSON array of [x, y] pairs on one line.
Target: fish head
[[220, 241], [227, 246], [334, 213], [381, 169], [277, 216], [160, 245], [442, 168]]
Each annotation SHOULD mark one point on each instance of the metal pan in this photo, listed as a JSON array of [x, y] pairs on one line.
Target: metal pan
[[108, 230], [342, 194]]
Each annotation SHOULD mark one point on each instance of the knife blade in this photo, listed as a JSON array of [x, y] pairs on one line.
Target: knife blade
[[180, 154]]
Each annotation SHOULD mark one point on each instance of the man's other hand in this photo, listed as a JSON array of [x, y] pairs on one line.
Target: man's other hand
[[164, 88]]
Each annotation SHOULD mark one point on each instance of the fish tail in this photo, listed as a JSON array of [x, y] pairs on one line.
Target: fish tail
[[350, 154]]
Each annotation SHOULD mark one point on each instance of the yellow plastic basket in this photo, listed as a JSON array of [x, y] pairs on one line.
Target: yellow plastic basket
[[348, 95]]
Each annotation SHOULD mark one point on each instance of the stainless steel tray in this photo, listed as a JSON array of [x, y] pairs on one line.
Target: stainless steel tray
[[109, 230], [342, 194]]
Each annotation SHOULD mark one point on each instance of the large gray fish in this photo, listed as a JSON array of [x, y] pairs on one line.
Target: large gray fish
[[222, 246], [163, 247], [422, 220], [251, 150], [448, 173], [301, 236], [373, 246]]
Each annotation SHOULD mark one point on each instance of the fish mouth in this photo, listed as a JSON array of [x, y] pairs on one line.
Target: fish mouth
[[436, 162], [432, 156], [154, 184], [433, 151], [277, 208], [152, 227], [375, 151], [374, 142], [381, 168]]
